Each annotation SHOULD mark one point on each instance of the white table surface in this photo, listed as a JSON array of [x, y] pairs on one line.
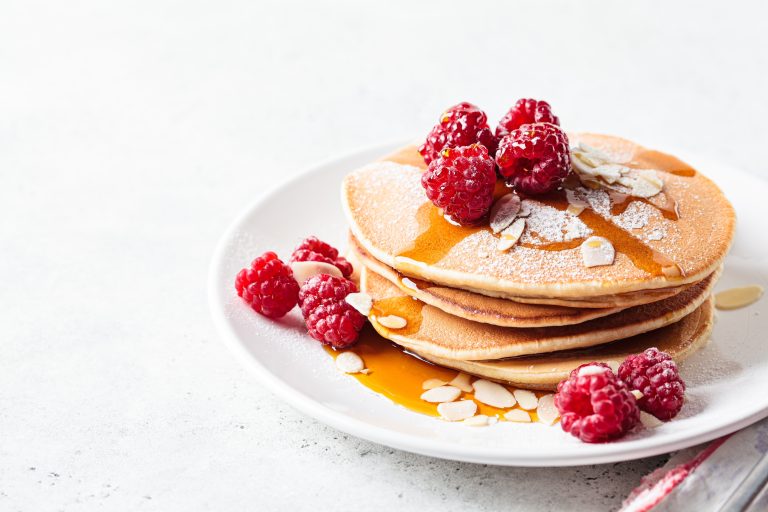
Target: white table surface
[[130, 135]]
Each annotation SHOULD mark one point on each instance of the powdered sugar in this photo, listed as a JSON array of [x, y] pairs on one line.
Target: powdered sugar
[[547, 224]]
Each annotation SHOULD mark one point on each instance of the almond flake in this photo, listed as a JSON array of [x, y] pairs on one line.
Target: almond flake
[[646, 184], [409, 284], [547, 411], [651, 176], [593, 369], [504, 211], [738, 297], [649, 420], [441, 394], [462, 381], [392, 321], [614, 365], [525, 209], [611, 173], [597, 251], [576, 205], [637, 394], [511, 235], [518, 416], [481, 420], [362, 302], [303, 270], [457, 411], [432, 384], [349, 362], [493, 394], [526, 399]]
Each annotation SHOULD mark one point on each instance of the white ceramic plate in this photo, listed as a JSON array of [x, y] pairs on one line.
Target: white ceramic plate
[[726, 380]]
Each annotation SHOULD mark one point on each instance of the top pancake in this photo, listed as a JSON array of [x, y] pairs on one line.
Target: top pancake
[[393, 220]]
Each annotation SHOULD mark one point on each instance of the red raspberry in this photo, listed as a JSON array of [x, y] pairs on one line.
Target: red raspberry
[[461, 182], [330, 319], [655, 375], [268, 286], [535, 158], [596, 406], [525, 111], [460, 125], [314, 249]]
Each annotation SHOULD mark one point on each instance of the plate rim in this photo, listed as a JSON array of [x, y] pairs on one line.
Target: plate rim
[[600, 454]]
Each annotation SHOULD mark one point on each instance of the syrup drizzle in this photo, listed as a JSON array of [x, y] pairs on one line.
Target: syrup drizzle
[[398, 375], [438, 236], [405, 307], [642, 256], [620, 201]]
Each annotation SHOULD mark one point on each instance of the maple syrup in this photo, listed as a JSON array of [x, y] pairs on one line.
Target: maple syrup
[[408, 308], [399, 375], [438, 236]]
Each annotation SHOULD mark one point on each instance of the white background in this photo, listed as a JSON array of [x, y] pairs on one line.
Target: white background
[[131, 133]]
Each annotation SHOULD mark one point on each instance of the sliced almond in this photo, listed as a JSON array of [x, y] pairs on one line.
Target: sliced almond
[[547, 411], [481, 420], [504, 211], [597, 251], [525, 209], [462, 381], [441, 394], [360, 301], [593, 369], [637, 394], [493, 394], [611, 173], [576, 205], [392, 321], [518, 415], [303, 270], [349, 362], [738, 297], [511, 235], [526, 399], [649, 420], [457, 411], [646, 184], [409, 284], [614, 365], [432, 384]]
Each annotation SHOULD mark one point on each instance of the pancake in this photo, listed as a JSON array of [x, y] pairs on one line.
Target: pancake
[[476, 307], [433, 332], [680, 340], [392, 219]]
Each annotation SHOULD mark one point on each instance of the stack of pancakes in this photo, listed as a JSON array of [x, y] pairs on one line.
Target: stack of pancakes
[[529, 315]]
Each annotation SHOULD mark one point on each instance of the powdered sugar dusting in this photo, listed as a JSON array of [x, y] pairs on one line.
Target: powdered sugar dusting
[[548, 224]]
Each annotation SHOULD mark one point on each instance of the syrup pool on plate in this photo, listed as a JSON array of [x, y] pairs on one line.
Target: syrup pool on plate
[[399, 376]]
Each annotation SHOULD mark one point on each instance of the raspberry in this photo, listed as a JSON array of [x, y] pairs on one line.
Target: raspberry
[[534, 158], [314, 249], [460, 125], [330, 319], [596, 406], [525, 111], [268, 286], [655, 375], [461, 182]]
